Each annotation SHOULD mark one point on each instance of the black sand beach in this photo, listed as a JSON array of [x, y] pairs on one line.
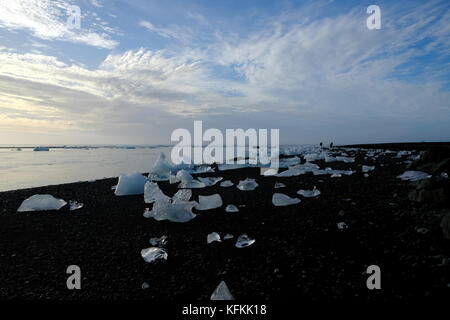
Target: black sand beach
[[299, 251]]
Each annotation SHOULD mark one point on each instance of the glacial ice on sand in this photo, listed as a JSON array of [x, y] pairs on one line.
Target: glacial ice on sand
[[247, 184], [75, 205], [279, 185], [231, 208], [159, 242], [214, 236], [130, 184], [413, 176], [153, 192], [279, 199], [226, 183], [209, 181], [367, 168], [309, 193], [153, 253], [222, 292], [161, 169], [41, 202], [244, 241], [209, 202]]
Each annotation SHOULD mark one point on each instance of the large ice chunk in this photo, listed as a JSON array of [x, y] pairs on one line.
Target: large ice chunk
[[279, 199], [161, 169], [214, 236], [209, 202], [129, 184], [222, 292], [41, 202], [414, 176], [187, 181], [247, 184]]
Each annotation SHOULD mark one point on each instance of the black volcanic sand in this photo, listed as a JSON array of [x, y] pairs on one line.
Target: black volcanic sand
[[299, 251]]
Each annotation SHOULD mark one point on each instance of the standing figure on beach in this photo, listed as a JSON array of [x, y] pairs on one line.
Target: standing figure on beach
[[321, 144], [331, 145]]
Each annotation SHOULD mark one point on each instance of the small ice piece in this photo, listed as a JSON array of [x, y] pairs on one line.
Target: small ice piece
[[444, 175], [413, 176], [75, 205], [279, 185], [247, 184], [231, 208], [114, 187], [366, 175], [309, 193], [279, 199], [222, 292], [209, 202], [345, 159], [336, 175], [367, 168], [161, 169], [244, 241], [153, 253], [214, 236], [228, 236], [226, 183], [342, 225], [130, 184], [159, 242], [145, 285], [209, 181], [152, 192], [41, 202], [182, 195]]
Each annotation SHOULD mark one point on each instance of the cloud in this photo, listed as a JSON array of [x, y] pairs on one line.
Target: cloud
[[173, 31], [48, 20], [328, 78]]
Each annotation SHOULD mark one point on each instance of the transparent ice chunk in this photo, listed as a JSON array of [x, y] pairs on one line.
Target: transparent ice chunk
[[153, 253], [41, 202], [152, 192], [279, 199], [231, 208], [309, 193], [209, 202], [244, 241], [247, 184], [226, 183], [161, 169], [209, 181], [159, 242], [182, 195], [279, 185], [214, 236], [130, 184], [75, 205], [222, 292], [414, 176]]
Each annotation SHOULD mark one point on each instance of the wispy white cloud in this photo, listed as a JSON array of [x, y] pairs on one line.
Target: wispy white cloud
[[47, 19]]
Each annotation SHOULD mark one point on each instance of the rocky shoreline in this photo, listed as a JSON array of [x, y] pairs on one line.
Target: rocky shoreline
[[401, 226]]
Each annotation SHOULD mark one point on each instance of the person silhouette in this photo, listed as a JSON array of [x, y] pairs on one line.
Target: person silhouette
[[331, 145], [321, 144]]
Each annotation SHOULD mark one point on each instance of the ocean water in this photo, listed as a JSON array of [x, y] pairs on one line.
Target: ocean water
[[28, 168]]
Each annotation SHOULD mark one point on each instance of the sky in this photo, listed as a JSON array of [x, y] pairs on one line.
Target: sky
[[134, 71]]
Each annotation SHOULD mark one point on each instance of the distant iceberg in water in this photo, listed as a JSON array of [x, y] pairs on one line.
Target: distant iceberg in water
[[41, 149]]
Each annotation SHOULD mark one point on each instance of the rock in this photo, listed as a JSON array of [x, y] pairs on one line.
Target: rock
[[445, 225]]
